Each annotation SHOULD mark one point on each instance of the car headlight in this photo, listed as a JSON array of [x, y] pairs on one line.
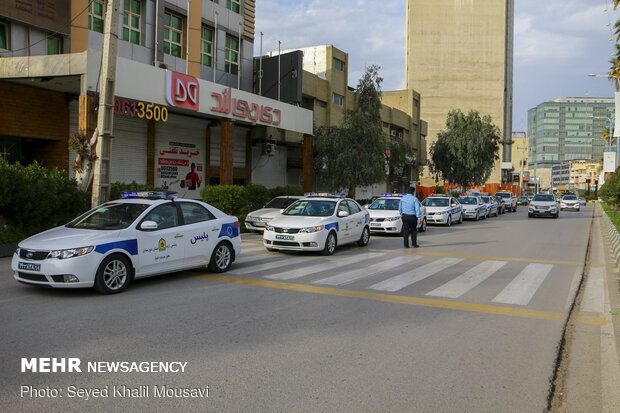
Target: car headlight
[[17, 251], [250, 218], [311, 229], [70, 253], [393, 218], [440, 213], [268, 228]]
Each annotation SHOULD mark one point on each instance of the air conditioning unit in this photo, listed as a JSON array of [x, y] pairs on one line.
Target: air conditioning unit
[[269, 149]]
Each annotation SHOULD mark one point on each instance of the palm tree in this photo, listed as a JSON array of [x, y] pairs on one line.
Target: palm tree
[[614, 69]]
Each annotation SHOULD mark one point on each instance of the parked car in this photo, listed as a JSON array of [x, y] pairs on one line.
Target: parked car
[[543, 204], [443, 210], [522, 200], [256, 220], [491, 204], [509, 200], [473, 207], [501, 208], [143, 234], [582, 201], [385, 218]]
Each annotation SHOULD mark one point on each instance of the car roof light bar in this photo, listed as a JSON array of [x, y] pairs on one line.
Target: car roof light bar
[[148, 195], [323, 195]]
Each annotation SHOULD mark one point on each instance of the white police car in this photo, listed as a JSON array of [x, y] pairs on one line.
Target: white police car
[[256, 220], [143, 234], [443, 210], [385, 218], [473, 207], [318, 222]]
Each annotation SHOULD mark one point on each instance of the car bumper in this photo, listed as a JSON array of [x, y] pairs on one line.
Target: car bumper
[[437, 219], [52, 271], [570, 206], [255, 225], [386, 227], [553, 211], [471, 214], [314, 241]]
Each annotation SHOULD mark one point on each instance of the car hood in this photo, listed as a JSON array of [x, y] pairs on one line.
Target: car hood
[[383, 213], [300, 221], [438, 209], [265, 213], [543, 203], [64, 238], [570, 201]]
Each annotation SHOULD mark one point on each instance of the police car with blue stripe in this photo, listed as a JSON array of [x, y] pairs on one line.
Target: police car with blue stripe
[[143, 234], [318, 222], [443, 210], [385, 218], [473, 207]]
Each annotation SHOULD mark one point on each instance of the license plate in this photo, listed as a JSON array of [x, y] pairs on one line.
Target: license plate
[[286, 237], [28, 266], [375, 224]]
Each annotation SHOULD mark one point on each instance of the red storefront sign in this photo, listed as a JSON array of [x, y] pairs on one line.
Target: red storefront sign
[[245, 110], [182, 90]]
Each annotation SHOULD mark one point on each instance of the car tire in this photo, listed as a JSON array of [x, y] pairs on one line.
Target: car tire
[[330, 244], [221, 258], [423, 226], [113, 275], [449, 221], [364, 238]]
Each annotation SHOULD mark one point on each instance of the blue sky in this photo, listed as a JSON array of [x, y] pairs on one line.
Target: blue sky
[[556, 42]]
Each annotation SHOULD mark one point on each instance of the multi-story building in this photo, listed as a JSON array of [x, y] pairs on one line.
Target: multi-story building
[[183, 98], [325, 91], [459, 56]]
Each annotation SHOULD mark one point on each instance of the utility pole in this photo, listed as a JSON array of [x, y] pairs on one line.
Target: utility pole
[[105, 112]]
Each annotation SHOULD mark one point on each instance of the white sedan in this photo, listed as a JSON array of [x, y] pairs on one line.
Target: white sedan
[[318, 223], [385, 218], [443, 210], [473, 207], [141, 235]]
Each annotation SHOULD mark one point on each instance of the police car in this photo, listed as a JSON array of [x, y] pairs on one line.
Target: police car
[[443, 210], [256, 220], [318, 222], [143, 234], [473, 207], [385, 218]]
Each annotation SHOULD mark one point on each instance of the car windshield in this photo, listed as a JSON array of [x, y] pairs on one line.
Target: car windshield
[[485, 199], [387, 204], [543, 198], [280, 203], [311, 208], [468, 200], [570, 197], [109, 216], [503, 195], [436, 202]]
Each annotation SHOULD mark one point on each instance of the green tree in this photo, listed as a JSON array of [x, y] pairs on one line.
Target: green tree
[[466, 151], [352, 153]]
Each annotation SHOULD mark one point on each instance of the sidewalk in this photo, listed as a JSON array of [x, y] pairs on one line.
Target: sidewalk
[[593, 376]]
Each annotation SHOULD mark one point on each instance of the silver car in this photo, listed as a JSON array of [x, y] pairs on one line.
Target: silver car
[[543, 204]]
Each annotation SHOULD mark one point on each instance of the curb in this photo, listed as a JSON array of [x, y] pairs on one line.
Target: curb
[[614, 240]]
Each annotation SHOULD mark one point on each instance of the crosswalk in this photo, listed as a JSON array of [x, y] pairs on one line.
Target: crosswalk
[[447, 277]]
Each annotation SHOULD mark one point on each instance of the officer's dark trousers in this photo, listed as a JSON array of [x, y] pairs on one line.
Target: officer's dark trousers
[[410, 227]]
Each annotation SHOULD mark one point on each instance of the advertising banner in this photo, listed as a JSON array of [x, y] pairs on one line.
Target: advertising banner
[[180, 168]]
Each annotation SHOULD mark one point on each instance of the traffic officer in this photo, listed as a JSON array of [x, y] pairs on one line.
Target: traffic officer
[[409, 210]]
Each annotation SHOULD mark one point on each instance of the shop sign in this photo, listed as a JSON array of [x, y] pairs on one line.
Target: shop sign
[[182, 90], [180, 168], [142, 110], [246, 110]]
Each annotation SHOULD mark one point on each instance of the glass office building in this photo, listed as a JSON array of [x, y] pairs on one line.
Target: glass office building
[[565, 129]]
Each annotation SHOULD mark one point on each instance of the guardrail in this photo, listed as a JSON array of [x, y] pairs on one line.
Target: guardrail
[[614, 238]]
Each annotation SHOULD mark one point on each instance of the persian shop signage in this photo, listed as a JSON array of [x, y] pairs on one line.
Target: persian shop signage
[[182, 90], [245, 110]]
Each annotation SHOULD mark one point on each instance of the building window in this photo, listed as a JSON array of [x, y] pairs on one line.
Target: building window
[[4, 35], [132, 12], [321, 104], [338, 64], [54, 45], [173, 34], [338, 99], [206, 55], [232, 55], [234, 5], [95, 16]]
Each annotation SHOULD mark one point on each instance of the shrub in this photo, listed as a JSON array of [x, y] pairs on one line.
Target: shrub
[[256, 196], [228, 198], [34, 198], [610, 191], [117, 187], [284, 191]]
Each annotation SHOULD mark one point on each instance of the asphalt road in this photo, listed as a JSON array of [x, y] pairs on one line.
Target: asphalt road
[[470, 321]]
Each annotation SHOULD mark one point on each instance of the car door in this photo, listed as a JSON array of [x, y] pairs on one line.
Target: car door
[[456, 211], [161, 249], [201, 229], [358, 220], [344, 223]]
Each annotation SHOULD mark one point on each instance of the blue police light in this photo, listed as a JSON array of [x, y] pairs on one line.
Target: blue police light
[[323, 195], [148, 195], [392, 195]]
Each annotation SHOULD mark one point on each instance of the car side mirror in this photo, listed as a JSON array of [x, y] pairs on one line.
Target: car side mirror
[[148, 225], [366, 206], [343, 214]]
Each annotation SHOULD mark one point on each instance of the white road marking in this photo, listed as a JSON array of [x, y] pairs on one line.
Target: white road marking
[[350, 276], [413, 276], [521, 290], [324, 266], [468, 280], [270, 265], [572, 291], [594, 295]]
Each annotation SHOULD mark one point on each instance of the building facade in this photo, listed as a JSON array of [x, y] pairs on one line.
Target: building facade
[[459, 56], [183, 100]]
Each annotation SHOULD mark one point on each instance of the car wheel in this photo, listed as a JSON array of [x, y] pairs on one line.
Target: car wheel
[[477, 216], [363, 241], [113, 275], [221, 259], [449, 221], [423, 226], [330, 244]]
